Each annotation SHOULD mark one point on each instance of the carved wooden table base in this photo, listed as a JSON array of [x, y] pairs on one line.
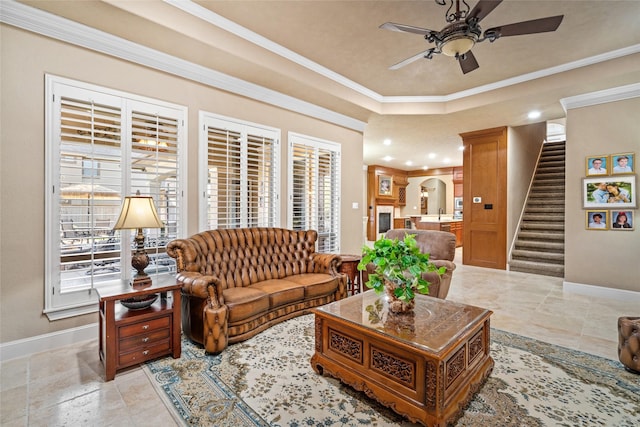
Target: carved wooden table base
[[426, 367]]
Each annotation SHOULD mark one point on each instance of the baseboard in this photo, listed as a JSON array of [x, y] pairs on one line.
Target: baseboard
[[40, 343], [601, 292]]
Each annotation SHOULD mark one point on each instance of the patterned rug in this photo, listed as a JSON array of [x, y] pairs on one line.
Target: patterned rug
[[268, 381]]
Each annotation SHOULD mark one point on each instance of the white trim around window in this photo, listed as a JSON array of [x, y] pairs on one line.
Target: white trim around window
[[101, 145]]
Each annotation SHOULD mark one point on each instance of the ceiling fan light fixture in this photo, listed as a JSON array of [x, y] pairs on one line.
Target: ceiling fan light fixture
[[458, 45]]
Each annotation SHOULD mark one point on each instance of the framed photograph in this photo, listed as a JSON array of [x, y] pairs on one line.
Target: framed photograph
[[597, 220], [384, 185], [597, 165], [609, 192], [622, 163], [622, 220]]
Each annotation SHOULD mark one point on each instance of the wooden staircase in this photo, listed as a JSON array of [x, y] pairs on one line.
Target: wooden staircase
[[539, 244]]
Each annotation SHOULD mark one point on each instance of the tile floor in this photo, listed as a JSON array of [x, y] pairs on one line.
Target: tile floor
[[65, 387]]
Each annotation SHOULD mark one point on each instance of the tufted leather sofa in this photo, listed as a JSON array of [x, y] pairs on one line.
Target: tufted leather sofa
[[238, 282], [441, 247], [629, 343]]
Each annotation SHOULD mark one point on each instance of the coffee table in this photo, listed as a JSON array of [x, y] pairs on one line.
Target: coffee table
[[426, 366]]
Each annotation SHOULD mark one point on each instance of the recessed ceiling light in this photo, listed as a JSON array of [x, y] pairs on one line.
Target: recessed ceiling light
[[424, 168], [409, 163], [446, 160], [387, 141], [387, 158], [534, 114], [432, 155], [461, 148]]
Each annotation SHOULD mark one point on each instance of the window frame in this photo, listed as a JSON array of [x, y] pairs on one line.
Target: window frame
[[207, 120], [316, 144], [59, 305]]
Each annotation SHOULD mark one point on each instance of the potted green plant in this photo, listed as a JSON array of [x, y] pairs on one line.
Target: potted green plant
[[399, 265]]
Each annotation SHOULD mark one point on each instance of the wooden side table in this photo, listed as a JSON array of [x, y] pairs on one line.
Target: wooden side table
[[350, 268], [130, 337]]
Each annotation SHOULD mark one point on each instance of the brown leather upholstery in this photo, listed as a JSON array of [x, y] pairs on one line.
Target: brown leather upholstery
[[441, 247], [238, 282], [629, 343]]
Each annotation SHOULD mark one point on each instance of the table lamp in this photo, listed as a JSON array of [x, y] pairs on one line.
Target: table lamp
[[139, 212]]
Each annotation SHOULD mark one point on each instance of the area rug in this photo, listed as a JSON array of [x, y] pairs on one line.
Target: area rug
[[268, 381]]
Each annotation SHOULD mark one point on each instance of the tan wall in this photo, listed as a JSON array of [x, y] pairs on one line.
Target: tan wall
[[601, 258], [25, 60]]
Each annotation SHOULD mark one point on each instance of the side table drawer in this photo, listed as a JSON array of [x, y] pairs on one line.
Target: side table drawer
[[146, 326], [147, 339], [144, 353]]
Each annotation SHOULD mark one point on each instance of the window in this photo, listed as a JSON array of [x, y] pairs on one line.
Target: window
[[101, 146], [314, 189], [241, 183]]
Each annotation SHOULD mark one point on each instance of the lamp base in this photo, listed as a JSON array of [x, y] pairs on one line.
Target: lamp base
[[141, 281]]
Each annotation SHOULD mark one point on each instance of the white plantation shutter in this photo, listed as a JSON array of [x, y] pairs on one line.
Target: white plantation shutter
[[240, 161], [88, 191], [314, 189], [103, 145], [154, 172]]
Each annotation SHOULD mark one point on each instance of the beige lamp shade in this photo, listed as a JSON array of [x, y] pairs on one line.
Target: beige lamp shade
[[138, 212]]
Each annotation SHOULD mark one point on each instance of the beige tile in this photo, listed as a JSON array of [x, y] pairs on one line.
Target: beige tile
[[13, 373], [13, 404]]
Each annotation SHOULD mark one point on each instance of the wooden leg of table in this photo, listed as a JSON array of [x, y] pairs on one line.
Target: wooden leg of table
[[110, 340], [177, 325]]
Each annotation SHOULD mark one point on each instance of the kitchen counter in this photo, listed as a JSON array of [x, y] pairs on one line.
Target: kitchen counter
[[448, 224]]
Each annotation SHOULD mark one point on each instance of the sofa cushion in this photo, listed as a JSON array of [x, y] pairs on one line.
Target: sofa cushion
[[245, 302], [315, 284], [280, 291]]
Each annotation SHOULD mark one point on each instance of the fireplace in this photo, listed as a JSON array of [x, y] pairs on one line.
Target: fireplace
[[384, 219]]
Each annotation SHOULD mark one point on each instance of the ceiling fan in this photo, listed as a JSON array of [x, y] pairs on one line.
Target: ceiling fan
[[464, 31]]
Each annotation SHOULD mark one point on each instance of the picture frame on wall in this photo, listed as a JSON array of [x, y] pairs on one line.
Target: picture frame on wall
[[597, 220], [622, 220], [622, 163], [609, 192], [597, 165], [384, 185]]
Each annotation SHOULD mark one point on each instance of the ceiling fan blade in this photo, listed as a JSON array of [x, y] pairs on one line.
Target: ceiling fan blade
[[412, 59], [541, 25], [468, 62], [406, 28], [482, 9]]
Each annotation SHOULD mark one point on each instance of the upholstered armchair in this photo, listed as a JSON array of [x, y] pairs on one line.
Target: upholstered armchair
[[441, 247]]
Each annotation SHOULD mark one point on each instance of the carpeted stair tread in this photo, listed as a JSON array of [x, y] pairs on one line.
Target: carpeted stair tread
[[543, 217], [536, 235], [529, 255], [546, 202], [553, 157], [558, 188], [545, 209], [538, 225], [547, 176], [535, 244], [536, 268], [556, 196]]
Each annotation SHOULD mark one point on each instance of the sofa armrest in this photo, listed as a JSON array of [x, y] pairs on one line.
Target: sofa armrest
[[185, 254], [207, 287], [325, 263]]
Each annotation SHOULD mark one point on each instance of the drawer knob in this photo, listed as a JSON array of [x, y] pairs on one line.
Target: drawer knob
[[144, 353], [145, 327], [145, 339]]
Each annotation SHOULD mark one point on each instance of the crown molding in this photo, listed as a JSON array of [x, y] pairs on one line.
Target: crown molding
[[601, 97], [213, 18], [55, 27]]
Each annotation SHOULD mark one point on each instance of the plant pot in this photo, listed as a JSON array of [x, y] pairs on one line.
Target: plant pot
[[396, 305]]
